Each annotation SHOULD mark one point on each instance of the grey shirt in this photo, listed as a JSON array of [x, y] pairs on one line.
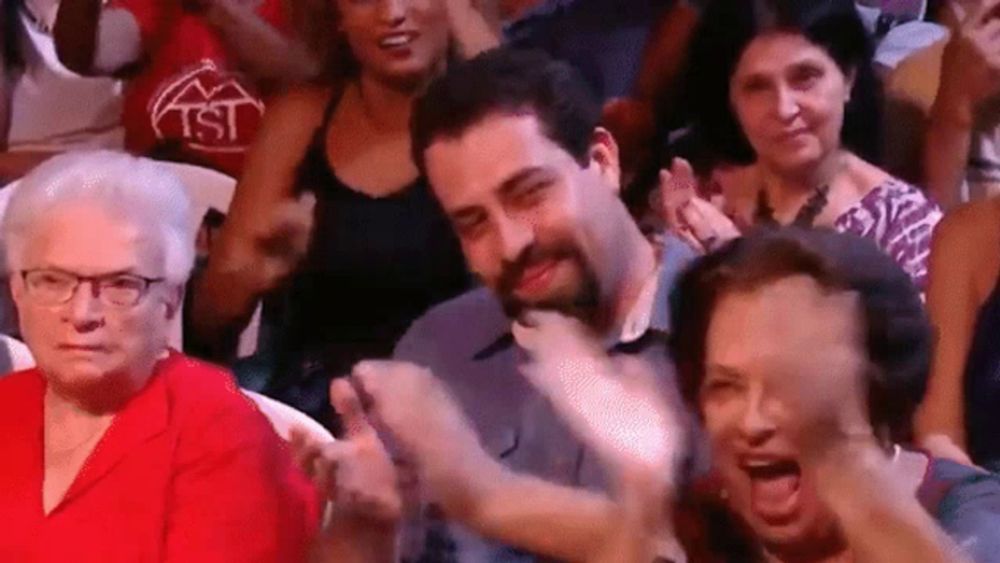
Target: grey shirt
[[467, 343]]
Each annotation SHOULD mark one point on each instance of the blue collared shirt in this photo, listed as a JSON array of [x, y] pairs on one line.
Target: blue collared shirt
[[467, 343]]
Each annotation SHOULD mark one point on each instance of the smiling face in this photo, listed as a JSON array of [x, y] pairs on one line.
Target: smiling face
[[84, 344], [398, 41], [788, 95], [754, 339], [537, 228]]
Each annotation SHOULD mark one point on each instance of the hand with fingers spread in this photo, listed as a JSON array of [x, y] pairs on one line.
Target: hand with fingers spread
[[970, 68], [612, 404], [423, 419], [356, 472], [689, 216]]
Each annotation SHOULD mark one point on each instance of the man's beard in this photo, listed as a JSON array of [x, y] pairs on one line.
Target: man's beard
[[582, 303]]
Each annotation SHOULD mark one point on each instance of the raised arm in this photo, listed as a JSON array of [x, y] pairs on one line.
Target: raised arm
[[267, 228], [970, 73], [471, 487], [95, 40], [881, 519], [266, 53], [953, 300]]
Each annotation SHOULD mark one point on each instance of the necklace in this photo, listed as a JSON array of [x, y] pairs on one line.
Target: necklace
[[764, 213]]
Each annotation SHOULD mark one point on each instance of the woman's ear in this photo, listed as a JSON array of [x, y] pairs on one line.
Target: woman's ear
[[850, 79]]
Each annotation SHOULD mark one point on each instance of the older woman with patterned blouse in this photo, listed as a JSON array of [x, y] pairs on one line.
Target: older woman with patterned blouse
[[786, 87]]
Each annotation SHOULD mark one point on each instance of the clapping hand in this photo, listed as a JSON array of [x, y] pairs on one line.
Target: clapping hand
[[614, 405], [690, 217], [355, 473]]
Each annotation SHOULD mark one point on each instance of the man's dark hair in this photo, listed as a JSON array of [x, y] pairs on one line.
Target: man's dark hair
[[898, 336], [508, 81]]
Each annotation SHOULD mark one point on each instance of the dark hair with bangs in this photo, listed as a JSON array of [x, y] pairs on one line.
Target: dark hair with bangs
[[728, 26]]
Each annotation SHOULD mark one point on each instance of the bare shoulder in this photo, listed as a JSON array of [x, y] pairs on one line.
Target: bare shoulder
[[297, 108], [971, 224], [966, 243], [289, 123]]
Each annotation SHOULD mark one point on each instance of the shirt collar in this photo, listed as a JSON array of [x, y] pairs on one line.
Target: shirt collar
[[649, 312]]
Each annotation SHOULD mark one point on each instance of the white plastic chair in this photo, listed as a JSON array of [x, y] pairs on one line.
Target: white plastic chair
[[283, 418], [17, 352]]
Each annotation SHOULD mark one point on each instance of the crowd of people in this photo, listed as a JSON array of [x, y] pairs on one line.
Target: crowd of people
[[526, 280]]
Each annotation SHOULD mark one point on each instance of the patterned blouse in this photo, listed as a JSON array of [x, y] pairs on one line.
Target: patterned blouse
[[899, 219]]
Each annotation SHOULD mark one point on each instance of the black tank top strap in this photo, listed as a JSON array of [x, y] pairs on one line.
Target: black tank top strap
[[314, 170]]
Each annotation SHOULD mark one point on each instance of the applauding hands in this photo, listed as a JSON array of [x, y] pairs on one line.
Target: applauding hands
[[689, 216]]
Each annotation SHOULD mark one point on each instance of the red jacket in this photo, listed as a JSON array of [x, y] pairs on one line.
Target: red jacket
[[188, 471]]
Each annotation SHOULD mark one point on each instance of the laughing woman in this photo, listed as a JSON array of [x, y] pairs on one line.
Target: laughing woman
[[332, 209]]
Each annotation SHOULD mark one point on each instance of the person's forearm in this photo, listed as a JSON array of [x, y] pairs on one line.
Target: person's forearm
[[946, 148], [472, 30], [261, 49], [641, 520], [880, 517], [346, 540], [222, 301], [75, 33], [538, 516]]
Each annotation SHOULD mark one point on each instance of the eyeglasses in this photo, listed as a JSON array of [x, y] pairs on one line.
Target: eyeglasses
[[56, 287]]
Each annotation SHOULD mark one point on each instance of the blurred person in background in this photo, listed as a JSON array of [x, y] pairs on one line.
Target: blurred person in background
[[195, 71]]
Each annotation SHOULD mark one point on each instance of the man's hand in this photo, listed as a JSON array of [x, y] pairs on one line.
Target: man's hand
[[428, 425], [355, 473], [614, 405]]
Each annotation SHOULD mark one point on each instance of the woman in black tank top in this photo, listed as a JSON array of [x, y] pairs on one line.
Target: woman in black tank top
[[331, 220]]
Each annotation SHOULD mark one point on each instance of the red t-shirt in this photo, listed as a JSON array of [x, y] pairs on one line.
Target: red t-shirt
[[188, 471], [188, 100]]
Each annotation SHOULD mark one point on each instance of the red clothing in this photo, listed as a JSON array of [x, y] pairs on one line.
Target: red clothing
[[188, 471], [188, 101]]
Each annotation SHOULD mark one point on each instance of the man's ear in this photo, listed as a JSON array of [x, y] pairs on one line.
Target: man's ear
[[16, 282], [604, 155]]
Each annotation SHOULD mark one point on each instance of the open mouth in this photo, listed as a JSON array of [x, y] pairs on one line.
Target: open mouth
[[400, 40], [774, 489]]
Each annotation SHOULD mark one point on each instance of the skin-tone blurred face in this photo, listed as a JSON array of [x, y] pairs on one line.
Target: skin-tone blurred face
[[789, 96], [788, 330], [85, 345], [400, 42], [536, 226]]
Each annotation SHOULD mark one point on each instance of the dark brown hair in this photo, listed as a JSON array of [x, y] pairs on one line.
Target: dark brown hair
[[898, 337], [511, 81]]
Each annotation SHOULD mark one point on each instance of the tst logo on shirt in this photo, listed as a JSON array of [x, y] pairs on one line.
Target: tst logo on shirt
[[207, 108]]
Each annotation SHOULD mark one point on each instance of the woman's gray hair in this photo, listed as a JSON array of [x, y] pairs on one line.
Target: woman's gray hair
[[141, 191]]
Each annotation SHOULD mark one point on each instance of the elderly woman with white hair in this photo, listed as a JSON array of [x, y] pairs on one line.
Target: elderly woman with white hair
[[116, 448]]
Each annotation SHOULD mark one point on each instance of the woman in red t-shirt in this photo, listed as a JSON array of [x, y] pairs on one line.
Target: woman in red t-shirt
[[196, 70]]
